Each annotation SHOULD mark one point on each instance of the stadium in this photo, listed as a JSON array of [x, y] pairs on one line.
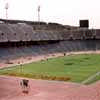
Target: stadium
[[65, 57]]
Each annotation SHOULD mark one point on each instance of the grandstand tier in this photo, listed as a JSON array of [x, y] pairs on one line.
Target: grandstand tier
[[12, 51], [15, 31]]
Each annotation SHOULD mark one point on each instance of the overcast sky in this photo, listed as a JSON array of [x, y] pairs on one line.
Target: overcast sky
[[67, 12]]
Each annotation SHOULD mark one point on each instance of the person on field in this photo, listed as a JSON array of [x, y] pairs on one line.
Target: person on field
[[64, 54], [25, 85]]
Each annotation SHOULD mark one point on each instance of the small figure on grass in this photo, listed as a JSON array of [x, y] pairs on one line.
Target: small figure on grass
[[64, 54]]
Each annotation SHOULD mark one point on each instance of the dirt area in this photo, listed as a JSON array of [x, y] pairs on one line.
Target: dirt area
[[29, 59]]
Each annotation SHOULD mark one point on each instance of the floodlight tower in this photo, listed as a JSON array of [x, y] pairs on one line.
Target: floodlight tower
[[39, 13], [6, 8]]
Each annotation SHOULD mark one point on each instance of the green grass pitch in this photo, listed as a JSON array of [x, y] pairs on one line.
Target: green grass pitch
[[76, 67]]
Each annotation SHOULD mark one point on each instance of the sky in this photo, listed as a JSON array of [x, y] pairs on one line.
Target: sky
[[67, 12]]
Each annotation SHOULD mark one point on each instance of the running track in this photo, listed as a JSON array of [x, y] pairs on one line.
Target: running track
[[47, 90]]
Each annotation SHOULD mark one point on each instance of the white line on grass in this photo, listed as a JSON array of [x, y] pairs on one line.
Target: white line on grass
[[91, 78]]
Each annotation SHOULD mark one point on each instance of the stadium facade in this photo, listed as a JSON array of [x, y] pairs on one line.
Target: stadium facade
[[24, 38]]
